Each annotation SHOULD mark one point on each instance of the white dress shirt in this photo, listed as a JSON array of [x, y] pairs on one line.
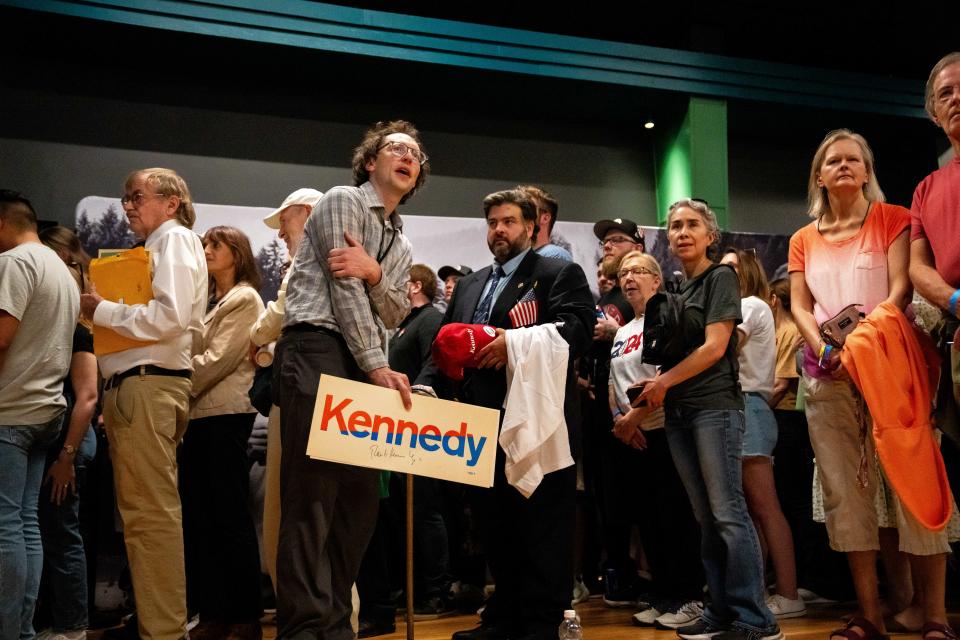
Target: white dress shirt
[[174, 318]]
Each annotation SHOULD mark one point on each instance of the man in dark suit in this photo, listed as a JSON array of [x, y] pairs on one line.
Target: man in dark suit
[[529, 541]]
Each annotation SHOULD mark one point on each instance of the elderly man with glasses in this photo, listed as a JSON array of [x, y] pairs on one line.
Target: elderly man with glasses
[[146, 399]]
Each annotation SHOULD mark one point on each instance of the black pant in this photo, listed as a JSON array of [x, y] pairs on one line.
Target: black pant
[[668, 530], [619, 481], [328, 510], [530, 551], [819, 568], [381, 571], [219, 539]]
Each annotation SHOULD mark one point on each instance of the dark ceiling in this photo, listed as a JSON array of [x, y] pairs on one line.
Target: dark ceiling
[[886, 38]]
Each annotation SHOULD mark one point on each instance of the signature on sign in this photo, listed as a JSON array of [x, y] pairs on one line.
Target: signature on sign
[[385, 451]]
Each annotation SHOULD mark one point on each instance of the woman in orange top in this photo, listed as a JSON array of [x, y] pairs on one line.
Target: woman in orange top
[[854, 252]]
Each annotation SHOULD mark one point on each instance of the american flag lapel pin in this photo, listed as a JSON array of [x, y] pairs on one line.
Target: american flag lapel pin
[[525, 312]]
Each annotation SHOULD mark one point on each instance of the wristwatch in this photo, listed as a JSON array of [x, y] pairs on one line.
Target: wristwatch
[[70, 449]]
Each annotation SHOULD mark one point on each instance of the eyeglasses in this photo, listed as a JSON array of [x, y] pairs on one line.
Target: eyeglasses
[[137, 198], [400, 149], [616, 240], [636, 271]]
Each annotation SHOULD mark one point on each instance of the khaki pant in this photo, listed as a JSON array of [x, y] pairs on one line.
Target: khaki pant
[[146, 416], [851, 515], [271, 495]]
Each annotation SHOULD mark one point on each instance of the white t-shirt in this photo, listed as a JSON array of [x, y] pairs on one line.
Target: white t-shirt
[[37, 289], [626, 369], [758, 349]]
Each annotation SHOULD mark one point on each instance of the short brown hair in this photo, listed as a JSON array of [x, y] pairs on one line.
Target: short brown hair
[[781, 289], [426, 277], [244, 265], [943, 63], [518, 197], [17, 211], [539, 195], [167, 182], [370, 145]]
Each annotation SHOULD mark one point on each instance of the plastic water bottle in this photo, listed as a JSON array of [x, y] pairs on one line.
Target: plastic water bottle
[[570, 627]]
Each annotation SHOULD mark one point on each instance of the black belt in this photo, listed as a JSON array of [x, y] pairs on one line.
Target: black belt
[[144, 370], [306, 327]]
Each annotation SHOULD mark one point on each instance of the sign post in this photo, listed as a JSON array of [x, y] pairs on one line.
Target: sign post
[[366, 425]]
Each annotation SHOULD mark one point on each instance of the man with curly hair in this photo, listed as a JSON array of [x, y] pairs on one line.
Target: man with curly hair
[[348, 286]]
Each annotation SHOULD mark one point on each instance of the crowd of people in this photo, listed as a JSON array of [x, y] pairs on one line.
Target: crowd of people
[[697, 411]]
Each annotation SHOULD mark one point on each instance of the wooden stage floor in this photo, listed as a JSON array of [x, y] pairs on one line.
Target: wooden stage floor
[[603, 623]]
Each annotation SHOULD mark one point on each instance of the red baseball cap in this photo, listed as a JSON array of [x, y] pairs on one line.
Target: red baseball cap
[[457, 345]]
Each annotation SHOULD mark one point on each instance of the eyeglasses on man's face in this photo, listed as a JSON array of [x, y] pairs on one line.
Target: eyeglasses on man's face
[[635, 271], [400, 149], [616, 240], [137, 198]]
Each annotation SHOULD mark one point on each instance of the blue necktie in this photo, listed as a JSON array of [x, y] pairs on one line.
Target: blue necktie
[[482, 314]]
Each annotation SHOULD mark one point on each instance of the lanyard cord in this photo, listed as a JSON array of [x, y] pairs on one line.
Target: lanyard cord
[[382, 253]]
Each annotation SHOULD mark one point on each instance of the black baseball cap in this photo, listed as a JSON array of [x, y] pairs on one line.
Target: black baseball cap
[[453, 270], [629, 227]]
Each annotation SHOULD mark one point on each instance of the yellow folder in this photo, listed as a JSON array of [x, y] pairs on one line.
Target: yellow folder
[[124, 278]]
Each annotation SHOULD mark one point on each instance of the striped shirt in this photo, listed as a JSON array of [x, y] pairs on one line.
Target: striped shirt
[[360, 313]]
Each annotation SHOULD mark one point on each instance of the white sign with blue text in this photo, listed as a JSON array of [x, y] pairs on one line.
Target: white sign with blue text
[[366, 425]]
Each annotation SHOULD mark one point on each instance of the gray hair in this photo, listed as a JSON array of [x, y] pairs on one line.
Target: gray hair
[[945, 61], [702, 208]]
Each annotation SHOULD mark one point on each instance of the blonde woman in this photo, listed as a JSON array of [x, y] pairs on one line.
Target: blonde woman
[[854, 252]]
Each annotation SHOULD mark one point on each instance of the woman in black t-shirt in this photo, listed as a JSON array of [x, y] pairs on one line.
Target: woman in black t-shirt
[[704, 424]]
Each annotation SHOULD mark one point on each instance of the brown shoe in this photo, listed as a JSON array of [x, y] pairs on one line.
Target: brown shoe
[[209, 631], [246, 631]]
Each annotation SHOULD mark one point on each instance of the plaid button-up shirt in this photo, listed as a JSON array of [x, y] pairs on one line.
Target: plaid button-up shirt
[[360, 313]]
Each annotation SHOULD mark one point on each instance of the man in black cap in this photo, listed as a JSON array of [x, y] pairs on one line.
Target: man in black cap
[[605, 458], [450, 274]]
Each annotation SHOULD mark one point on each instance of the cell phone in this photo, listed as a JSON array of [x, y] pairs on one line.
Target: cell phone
[[634, 392], [599, 312]]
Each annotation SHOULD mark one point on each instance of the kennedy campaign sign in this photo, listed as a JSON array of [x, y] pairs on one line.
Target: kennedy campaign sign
[[366, 425]]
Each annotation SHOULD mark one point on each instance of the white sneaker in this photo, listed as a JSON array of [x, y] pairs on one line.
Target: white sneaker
[[782, 607], [688, 613], [647, 617], [580, 592], [810, 597]]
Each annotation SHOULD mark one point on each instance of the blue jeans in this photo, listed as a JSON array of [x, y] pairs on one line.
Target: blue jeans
[[22, 456], [706, 447], [65, 561]]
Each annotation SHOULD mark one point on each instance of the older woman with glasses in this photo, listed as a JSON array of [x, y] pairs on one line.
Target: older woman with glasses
[[855, 252], [667, 528], [704, 425]]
